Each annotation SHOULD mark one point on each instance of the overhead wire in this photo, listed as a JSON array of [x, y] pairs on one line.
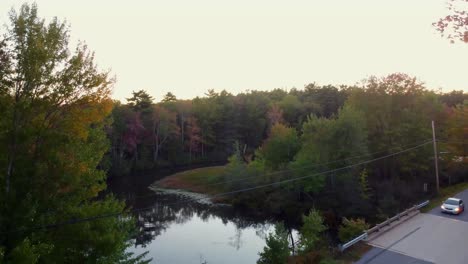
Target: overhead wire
[[291, 169], [97, 217], [245, 179]]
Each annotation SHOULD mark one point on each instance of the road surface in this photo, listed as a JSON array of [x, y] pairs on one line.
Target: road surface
[[426, 238], [461, 217]]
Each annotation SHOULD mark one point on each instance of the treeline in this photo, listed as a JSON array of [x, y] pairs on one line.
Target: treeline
[[387, 117], [173, 132], [277, 135]]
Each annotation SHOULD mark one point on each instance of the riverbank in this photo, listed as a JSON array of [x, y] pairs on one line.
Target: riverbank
[[207, 180]]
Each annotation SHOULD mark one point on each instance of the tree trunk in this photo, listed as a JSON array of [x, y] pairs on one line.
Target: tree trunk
[[121, 154], [9, 171], [156, 153], [182, 121], [190, 152], [202, 151], [292, 242], [12, 149], [156, 143]]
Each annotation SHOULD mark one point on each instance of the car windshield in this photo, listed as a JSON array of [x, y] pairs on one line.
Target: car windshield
[[451, 202]]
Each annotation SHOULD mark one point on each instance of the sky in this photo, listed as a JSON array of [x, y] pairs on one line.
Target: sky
[[187, 47]]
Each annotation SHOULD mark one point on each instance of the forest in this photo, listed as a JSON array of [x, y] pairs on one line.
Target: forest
[[312, 133], [299, 132], [317, 150]]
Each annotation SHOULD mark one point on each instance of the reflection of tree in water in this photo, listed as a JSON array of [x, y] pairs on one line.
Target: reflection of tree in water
[[262, 231], [236, 240], [165, 210]]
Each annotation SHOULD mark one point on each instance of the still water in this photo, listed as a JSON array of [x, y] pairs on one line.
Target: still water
[[173, 230]]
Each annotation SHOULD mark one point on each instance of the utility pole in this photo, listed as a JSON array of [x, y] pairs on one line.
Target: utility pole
[[436, 159]]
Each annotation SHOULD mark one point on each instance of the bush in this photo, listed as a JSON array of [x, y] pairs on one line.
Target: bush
[[351, 228], [276, 250], [311, 230]]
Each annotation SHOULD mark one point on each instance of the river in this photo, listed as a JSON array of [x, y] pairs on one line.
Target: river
[[174, 230]]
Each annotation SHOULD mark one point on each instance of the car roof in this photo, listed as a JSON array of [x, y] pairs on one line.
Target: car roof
[[454, 199]]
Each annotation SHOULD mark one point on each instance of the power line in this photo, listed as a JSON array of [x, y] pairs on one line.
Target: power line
[[308, 176], [81, 220], [282, 171], [289, 170]]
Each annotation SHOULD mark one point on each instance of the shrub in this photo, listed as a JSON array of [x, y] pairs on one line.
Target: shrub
[[351, 228], [311, 230], [276, 250]]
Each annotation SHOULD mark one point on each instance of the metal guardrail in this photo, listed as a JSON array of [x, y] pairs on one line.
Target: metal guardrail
[[376, 228], [354, 241]]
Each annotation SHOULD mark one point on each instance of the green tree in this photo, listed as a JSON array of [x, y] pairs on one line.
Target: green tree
[[276, 250], [457, 129], [163, 124], [291, 107], [454, 142], [311, 230], [280, 147], [252, 119], [169, 97], [55, 106], [398, 111], [140, 100], [325, 140], [236, 168]]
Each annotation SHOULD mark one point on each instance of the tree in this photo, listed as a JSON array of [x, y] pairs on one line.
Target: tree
[[252, 123], [276, 250], [311, 230], [140, 100], [457, 129], [454, 26], [193, 136], [291, 107], [323, 101], [163, 127], [280, 147], [275, 115], [454, 141], [236, 168], [325, 140], [116, 132], [55, 105], [397, 111], [453, 98], [169, 97], [133, 133]]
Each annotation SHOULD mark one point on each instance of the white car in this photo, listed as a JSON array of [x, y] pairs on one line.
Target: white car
[[453, 206]]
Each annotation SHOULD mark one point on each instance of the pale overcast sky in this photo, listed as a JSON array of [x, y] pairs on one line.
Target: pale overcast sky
[[188, 47]]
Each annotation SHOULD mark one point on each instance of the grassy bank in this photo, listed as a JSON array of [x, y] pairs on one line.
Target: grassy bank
[[201, 180], [444, 194]]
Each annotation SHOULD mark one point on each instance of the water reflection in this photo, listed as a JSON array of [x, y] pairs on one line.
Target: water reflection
[[190, 232]]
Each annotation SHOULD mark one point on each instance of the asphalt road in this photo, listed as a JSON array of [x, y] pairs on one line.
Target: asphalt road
[[461, 217], [433, 237], [384, 256]]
